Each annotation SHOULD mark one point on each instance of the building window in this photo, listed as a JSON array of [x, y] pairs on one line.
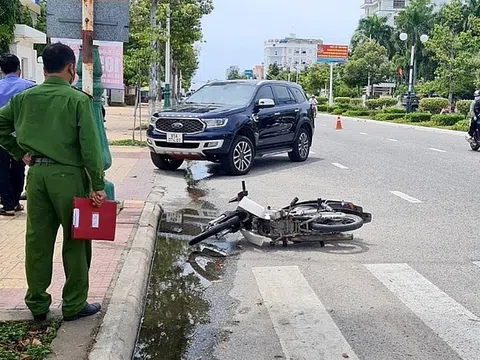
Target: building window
[[275, 53], [398, 4]]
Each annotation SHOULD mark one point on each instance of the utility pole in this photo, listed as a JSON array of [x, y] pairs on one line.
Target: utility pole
[[168, 69], [87, 46], [153, 65], [330, 95]]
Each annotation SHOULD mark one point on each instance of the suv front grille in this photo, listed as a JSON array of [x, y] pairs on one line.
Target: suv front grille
[[185, 126]]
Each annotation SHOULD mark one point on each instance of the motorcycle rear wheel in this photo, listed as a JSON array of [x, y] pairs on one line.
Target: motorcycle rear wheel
[[349, 223]]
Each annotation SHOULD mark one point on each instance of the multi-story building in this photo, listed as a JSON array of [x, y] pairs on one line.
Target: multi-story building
[[291, 53], [388, 8]]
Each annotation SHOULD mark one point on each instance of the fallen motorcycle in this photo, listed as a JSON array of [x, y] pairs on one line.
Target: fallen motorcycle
[[316, 220]]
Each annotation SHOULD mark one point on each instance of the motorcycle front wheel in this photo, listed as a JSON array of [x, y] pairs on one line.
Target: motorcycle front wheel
[[349, 223], [230, 223], [475, 146]]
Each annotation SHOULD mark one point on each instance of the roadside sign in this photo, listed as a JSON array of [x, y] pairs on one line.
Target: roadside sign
[[248, 74], [111, 22], [332, 53]]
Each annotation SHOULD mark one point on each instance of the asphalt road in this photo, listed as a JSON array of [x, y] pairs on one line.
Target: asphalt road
[[407, 287]]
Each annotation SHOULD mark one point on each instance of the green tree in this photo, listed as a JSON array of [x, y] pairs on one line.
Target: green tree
[[235, 75], [373, 28], [455, 50], [315, 78], [369, 59], [273, 71], [10, 12]]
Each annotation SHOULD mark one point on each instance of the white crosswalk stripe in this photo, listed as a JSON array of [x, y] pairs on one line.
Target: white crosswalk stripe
[[306, 329], [457, 326], [299, 318]]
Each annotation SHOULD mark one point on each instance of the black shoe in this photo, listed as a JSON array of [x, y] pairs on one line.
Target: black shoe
[[88, 310], [19, 207], [41, 317]]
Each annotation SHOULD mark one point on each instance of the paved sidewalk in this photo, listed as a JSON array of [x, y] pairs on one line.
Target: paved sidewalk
[[133, 176]]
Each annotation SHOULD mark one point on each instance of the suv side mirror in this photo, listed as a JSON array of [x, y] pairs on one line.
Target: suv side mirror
[[265, 103]]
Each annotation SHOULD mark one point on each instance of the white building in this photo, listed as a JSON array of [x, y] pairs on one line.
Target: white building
[[291, 53], [23, 45], [388, 8]]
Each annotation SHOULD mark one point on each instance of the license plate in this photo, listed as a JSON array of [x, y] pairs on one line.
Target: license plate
[[173, 217], [174, 138]]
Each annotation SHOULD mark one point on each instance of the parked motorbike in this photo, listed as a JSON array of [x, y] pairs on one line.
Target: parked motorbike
[[315, 220]]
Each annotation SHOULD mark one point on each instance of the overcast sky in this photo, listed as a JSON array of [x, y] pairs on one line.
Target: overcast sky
[[236, 29]]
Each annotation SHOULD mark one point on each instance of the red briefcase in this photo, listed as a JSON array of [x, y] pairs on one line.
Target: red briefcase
[[94, 223]]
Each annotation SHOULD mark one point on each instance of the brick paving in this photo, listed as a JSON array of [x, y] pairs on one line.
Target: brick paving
[[133, 175]]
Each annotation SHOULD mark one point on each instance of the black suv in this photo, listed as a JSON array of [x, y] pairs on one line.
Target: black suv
[[232, 122]]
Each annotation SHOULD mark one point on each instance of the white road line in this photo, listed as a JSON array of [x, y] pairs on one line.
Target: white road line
[[303, 325], [406, 197], [340, 166], [437, 150], [476, 263], [312, 152], [393, 140], [323, 124], [452, 322], [362, 133]]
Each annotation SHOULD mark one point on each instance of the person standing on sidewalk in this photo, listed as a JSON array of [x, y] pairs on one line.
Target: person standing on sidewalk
[[57, 136], [12, 172]]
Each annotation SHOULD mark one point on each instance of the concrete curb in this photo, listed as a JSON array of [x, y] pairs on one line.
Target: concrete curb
[[408, 126], [118, 333]]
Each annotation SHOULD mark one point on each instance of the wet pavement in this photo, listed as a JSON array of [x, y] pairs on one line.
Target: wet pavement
[[176, 305]]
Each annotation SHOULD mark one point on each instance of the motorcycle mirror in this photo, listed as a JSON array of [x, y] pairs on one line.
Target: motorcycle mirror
[[244, 186]]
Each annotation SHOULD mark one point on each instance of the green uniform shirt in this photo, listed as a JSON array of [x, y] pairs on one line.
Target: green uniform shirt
[[54, 120]]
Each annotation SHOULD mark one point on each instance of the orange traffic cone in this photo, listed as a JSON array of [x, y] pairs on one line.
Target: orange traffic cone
[[339, 124]]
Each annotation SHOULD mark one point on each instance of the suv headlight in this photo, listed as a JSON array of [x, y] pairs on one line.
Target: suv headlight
[[215, 123]]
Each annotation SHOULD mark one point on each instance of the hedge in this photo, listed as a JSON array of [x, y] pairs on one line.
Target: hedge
[[419, 117], [341, 100], [388, 117], [394, 110], [447, 119], [323, 108], [356, 101], [463, 107], [322, 100], [373, 104], [357, 113], [462, 125], [338, 111], [388, 101], [433, 105]]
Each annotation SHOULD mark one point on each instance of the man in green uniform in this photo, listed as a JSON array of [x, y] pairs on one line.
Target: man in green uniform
[[57, 137]]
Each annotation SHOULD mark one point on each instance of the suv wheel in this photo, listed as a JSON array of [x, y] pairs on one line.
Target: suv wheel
[[239, 160], [165, 162], [301, 146]]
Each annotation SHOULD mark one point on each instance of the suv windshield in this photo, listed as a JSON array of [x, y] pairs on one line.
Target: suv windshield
[[223, 93]]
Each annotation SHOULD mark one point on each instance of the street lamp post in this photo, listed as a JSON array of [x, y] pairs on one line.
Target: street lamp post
[[423, 39]]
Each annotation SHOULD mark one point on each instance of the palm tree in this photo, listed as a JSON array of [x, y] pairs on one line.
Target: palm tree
[[373, 28]]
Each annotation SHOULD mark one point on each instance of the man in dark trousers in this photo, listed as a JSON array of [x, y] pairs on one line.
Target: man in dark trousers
[[57, 136], [12, 172]]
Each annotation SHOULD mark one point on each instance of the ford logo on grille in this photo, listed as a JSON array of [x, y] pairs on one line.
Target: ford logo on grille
[[177, 125]]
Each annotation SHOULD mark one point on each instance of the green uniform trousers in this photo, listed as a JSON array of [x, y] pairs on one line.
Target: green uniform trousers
[[50, 192]]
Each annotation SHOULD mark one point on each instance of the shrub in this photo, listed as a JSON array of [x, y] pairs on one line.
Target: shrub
[[433, 105], [388, 117], [394, 110], [419, 117], [357, 113], [388, 101], [322, 100], [447, 119], [462, 125], [338, 111], [463, 107], [342, 100], [373, 104], [356, 101], [322, 108]]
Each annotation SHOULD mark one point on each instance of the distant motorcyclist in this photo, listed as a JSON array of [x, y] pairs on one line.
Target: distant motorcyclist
[[313, 104], [475, 112]]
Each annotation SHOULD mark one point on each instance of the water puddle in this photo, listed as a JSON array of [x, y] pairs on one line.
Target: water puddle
[[175, 305]]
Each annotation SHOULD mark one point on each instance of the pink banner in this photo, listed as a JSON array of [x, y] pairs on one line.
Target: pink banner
[[111, 57]]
